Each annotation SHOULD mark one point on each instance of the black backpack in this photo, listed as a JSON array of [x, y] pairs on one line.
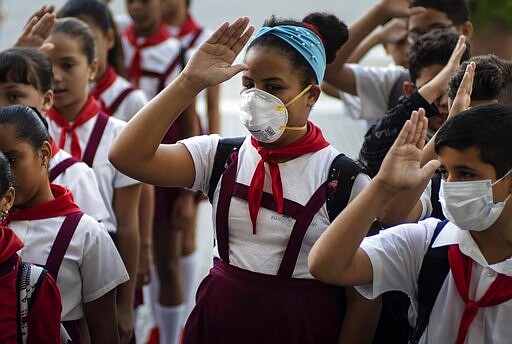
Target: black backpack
[[343, 170]]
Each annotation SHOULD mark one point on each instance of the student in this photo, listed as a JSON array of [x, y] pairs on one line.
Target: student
[[43, 323], [117, 96], [375, 85], [120, 99], [79, 127], [28, 79], [72, 246], [438, 52], [474, 153], [252, 275]]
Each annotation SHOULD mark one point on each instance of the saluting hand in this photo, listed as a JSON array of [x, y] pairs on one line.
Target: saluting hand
[[212, 63], [462, 99], [400, 169]]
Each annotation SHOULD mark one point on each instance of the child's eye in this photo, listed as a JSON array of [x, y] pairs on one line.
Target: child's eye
[[67, 66], [14, 97]]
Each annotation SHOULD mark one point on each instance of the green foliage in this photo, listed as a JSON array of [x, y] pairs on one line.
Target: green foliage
[[489, 14]]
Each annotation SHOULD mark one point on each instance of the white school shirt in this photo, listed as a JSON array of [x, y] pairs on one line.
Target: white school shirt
[[91, 266], [373, 85], [107, 176], [155, 59], [81, 181], [396, 255], [301, 177], [132, 103]]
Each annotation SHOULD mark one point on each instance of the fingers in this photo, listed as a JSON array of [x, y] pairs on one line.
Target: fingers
[[462, 99], [233, 32], [458, 51], [44, 26], [407, 132], [429, 168], [242, 41], [421, 131], [416, 10]]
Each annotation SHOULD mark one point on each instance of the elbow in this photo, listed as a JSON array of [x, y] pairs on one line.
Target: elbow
[[116, 159], [320, 268]]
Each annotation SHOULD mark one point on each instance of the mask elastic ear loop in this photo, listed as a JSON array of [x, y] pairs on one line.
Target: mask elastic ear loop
[[281, 107]]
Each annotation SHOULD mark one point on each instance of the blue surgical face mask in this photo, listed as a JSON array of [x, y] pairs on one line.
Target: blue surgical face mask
[[470, 205], [265, 115]]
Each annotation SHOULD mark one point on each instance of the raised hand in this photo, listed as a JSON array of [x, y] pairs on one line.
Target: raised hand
[[462, 99], [399, 8], [400, 169], [38, 28], [212, 63]]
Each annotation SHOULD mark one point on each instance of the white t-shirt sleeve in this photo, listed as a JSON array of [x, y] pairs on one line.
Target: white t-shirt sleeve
[[374, 85], [396, 255], [102, 267], [202, 149], [426, 202]]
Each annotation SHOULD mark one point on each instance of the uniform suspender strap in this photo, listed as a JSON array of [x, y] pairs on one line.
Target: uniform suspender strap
[[167, 72], [435, 185], [299, 230], [224, 149], [115, 104], [221, 221], [61, 243], [94, 140], [433, 272], [56, 170], [342, 174]]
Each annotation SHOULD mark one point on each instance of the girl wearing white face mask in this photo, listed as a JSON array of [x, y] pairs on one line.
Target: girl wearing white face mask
[[269, 205]]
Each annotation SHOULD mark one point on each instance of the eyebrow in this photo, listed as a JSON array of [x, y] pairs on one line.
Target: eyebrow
[[264, 80]]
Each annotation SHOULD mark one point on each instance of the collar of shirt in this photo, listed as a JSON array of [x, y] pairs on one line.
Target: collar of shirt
[[451, 234]]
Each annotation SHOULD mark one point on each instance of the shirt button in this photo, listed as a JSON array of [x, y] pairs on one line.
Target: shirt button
[[490, 273]]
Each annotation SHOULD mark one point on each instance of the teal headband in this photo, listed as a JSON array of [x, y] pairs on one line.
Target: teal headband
[[305, 41]]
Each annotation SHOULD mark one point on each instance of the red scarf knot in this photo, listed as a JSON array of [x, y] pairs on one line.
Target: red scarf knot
[[311, 142], [498, 292], [159, 36], [89, 111]]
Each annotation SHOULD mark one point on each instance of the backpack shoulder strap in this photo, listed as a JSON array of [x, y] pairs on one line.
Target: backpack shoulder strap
[[28, 281], [435, 185], [221, 161], [342, 173], [433, 271]]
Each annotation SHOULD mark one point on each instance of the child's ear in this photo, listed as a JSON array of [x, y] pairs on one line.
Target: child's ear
[[467, 29], [313, 95], [408, 88], [7, 200], [111, 39], [47, 101], [46, 153], [93, 70]]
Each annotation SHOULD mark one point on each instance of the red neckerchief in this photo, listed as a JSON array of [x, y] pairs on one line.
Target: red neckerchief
[[63, 204], [499, 291], [104, 83], [90, 110], [188, 26], [9, 243], [311, 142], [159, 36]]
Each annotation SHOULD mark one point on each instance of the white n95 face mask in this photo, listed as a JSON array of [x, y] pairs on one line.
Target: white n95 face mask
[[265, 115], [470, 205]]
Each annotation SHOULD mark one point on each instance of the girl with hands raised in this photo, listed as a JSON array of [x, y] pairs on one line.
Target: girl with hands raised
[[269, 205]]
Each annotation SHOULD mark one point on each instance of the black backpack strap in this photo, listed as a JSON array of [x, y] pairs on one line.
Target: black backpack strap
[[433, 272], [435, 183], [221, 161], [28, 282], [342, 174]]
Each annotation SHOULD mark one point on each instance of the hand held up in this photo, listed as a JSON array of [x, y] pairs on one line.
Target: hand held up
[[400, 169], [212, 63]]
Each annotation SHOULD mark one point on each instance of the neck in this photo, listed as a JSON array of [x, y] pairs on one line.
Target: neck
[[495, 243], [147, 31], [44, 194], [175, 16], [71, 111]]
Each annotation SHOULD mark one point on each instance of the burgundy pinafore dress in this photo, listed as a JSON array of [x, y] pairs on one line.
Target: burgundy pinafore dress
[[234, 305]]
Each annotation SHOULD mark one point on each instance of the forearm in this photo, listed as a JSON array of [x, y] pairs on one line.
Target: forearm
[[101, 315], [331, 258], [364, 47], [212, 106], [142, 135]]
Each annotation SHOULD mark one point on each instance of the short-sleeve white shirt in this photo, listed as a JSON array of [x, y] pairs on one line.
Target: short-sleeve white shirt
[[81, 181], [396, 255], [300, 177], [91, 266], [107, 176], [129, 106]]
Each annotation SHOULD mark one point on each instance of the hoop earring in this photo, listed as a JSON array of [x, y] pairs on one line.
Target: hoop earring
[[3, 215]]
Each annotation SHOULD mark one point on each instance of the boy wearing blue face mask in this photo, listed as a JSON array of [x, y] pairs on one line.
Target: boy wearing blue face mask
[[474, 302]]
